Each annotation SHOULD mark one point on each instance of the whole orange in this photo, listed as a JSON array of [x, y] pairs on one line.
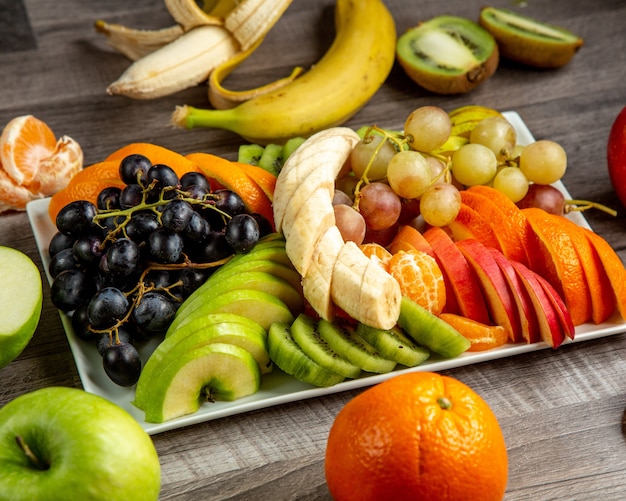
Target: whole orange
[[419, 436]]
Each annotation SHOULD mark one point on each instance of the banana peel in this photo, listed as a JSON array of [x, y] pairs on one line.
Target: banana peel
[[231, 32]]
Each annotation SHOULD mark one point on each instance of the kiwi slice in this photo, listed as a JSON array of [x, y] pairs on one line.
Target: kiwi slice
[[250, 154], [272, 158], [529, 41], [448, 54]]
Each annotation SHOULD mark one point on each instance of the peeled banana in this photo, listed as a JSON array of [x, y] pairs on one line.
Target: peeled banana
[[334, 273], [337, 86], [181, 56]]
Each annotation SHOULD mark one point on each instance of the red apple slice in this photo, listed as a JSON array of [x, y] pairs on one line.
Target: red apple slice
[[461, 283], [500, 301], [470, 224], [525, 307], [550, 327], [505, 229], [562, 312]]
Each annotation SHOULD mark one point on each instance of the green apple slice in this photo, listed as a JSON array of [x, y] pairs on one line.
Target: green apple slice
[[430, 331], [290, 358], [253, 280], [259, 306], [217, 371], [216, 328], [21, 297]]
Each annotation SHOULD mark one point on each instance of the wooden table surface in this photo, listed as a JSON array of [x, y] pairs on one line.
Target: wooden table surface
[[562, 411]]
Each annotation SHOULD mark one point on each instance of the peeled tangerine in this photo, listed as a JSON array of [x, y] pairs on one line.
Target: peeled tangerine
[[529, 41], [448, 54], [33, 163]]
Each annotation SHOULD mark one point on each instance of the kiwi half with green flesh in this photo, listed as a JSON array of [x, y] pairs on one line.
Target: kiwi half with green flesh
[[529, 41], [448, 54]]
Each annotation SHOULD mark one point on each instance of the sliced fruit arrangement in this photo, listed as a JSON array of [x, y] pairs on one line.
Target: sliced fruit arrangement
[[360, 59], [529, 41], [33, 162], [171, 59]]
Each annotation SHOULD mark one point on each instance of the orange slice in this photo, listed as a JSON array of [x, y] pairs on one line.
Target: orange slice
[[410, 238], [266, 180], [157, 155], [232, 176], [84, 190], [470, 224], [560, 255], [481, 336], [420, 279]]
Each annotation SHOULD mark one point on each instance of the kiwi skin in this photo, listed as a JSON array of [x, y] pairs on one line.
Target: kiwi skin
[[529, 48], [453, 83]]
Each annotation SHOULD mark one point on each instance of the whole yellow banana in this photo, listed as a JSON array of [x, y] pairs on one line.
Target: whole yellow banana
[[335, 88]]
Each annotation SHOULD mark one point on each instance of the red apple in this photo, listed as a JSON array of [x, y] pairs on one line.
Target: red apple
[[616, 155]]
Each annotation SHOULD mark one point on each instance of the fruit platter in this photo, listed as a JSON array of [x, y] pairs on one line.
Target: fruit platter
[[278, 387]]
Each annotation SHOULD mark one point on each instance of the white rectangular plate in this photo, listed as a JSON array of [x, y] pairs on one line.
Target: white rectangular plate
[[277, 387]]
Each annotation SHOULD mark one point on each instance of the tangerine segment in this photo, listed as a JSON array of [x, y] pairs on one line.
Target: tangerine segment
[[419, 435], [410, 238], [420, 279], [56, 171], [12, 195], [24, 143], [377, 253], [481, 336], [613, 267], [559, 252], [157, 155], [233, 177]]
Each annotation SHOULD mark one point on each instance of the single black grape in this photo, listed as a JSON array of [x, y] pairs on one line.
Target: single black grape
[[122, 363], [134, 169], [131, 196], [141, 224], [70, 289], [80, 323], [63, 260], [161, 278], [214, 248], [242, 232], [192, 278], [197, 230], [109, 198], [59, 242], [165, 246], [107, 307], [197, 193], [194, 179], [77, 218], [265, 227], [88, 250], [176, 215], [122, 257], [124, 333], [154, 313], [161, 176], [229, 202]]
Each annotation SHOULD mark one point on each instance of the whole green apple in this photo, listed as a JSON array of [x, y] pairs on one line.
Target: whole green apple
[[21, 299], [61, 443]]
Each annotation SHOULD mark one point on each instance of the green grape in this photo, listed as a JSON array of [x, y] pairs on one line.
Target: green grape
[[427, 128], [497, 134], [440, 204], [365, 152], [474, 164], [543, 162], [512, 182], [409, 174]]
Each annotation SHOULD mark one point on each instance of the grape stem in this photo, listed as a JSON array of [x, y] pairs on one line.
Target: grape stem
[[582, 205]]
